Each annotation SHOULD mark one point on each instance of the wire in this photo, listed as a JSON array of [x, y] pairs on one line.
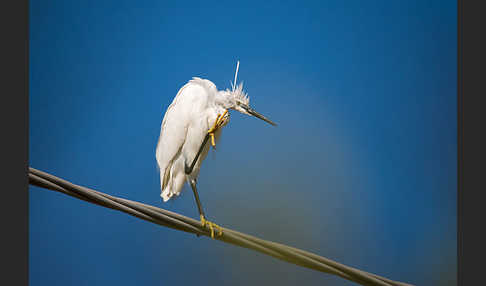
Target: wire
[[179, 222]]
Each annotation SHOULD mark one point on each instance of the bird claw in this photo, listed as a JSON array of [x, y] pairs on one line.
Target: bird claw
[[220, 120], [211, 226]]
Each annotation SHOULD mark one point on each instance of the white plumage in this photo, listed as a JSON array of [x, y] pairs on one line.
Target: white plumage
[[194, 110], [186, 122]]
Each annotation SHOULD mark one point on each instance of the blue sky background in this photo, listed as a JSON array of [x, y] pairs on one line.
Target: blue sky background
[[361, 169]]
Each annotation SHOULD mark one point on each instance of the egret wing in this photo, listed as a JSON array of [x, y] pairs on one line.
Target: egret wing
[[186, 106], [172, 137]]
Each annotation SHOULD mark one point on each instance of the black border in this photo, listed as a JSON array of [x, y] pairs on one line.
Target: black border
[[471, 187], [14, 86], [14, 118]]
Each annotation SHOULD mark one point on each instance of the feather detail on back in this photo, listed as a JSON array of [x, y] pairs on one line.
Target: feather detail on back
[[209, 85]]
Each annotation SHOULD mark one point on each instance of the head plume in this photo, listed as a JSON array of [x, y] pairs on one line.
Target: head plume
[[237, 90], [238, 100], [239, 95]]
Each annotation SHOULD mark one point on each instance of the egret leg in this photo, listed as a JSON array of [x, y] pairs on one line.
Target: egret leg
[[204, 222], [217, 124], [196, 196], [188, 169]]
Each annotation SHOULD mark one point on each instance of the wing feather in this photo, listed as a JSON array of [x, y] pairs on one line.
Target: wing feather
[[181, 112]]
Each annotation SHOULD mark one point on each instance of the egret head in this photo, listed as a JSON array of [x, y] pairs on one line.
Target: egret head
[[238, 100]]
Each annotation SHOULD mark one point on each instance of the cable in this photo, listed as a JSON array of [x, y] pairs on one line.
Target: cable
[[179, 222]]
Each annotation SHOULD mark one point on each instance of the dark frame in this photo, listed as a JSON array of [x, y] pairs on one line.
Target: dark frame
[[15, 85]]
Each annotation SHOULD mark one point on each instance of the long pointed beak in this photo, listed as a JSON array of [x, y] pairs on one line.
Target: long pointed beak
[[258, 115]]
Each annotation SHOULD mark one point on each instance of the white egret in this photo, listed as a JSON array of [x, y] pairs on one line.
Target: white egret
[[196, 115]]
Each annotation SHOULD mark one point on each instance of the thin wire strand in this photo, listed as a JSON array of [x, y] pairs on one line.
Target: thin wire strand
[[179, 222]]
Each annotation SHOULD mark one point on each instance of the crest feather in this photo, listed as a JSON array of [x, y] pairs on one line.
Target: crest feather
[[239, 94], [237, 90]]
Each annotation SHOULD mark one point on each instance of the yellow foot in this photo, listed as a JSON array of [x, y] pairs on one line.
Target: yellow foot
[[212, 226], [217, 124]]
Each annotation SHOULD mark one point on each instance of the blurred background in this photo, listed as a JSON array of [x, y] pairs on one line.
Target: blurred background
[[361, 169]]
